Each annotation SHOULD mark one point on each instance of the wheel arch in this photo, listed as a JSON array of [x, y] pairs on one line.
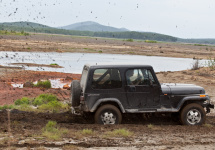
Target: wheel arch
[[104, 101], [191, 99]]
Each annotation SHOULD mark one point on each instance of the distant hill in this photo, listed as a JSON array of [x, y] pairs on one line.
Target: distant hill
[[92, 26], [24, 24], [39, 28]]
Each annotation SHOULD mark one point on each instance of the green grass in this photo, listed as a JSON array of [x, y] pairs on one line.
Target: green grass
[[52, 132], [208, 125], [87, 132], [5, 32], [54, 107], [200, 45], [129, 40], [150, 41], [119, 133], [44, 99], [6, 107], [54, 64], [24, 100], [43, 84]]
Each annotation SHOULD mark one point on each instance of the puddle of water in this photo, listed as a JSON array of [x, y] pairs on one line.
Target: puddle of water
[[74, 62]]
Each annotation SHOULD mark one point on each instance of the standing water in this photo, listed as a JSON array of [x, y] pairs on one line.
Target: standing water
[[74, 62]]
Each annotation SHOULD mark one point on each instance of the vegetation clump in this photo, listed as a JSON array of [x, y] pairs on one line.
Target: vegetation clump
[[211, 63], [24, 100], [43, 84], [54, 64], [12, 32], [51, 131], [130, 40], [150, 41], [120, 133]]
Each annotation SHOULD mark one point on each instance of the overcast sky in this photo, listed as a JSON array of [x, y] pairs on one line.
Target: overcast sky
[[180, 18]]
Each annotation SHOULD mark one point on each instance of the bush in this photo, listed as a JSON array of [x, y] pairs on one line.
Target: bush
[[24, 100], [44, 84], [211, 63], [196, 65], [6, 107], [120, 133], [44, 99]]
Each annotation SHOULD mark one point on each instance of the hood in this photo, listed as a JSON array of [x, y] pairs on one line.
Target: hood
[[181, 89]]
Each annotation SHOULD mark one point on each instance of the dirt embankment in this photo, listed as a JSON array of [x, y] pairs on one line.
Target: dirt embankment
[[59, 43]]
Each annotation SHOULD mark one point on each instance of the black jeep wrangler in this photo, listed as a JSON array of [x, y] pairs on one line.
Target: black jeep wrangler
[[109, 90]]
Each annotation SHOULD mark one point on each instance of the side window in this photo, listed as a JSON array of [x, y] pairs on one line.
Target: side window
[[151, 77], [139, 77], [106, 79]]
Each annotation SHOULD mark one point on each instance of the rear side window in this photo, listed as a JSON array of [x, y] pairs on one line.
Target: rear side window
[[106, 79]]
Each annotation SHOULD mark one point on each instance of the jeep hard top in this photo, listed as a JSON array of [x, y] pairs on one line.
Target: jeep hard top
[[109, 90]]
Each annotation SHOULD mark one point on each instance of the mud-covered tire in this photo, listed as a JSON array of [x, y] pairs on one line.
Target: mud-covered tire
[[75, 93], [193, 114], [108, 114]]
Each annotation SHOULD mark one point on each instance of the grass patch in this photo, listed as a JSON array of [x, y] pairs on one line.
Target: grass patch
[[119, 133], [24, 100], [196, 65], [87, 132], [150, 41], [6, 107], [11, 32], [44, 99], [129, 40], [54, 64], [54, 107], [208, 125], [100, 51], [200, 45], [43, 84], [52, 132], [150, 126]]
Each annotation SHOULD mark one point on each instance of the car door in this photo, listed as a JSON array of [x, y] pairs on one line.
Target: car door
[[141, 89]]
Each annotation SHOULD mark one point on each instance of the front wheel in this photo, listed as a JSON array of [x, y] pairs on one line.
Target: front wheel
[[108, 114], [193, 114]]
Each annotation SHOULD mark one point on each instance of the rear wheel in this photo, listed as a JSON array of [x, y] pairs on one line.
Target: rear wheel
[[75, 93], [108, 114], [193, 114]]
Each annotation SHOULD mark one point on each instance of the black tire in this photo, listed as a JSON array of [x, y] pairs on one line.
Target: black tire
[[75, 93], [193, 114], [110, 113]]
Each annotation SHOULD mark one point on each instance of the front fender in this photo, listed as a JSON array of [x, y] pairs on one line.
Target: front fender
[[103, 100], [192, 98]]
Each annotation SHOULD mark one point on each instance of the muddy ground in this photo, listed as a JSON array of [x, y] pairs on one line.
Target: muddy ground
[[158, 132], [63, 43]]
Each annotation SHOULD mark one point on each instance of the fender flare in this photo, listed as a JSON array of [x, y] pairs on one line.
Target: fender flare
[[98, 102], [190, 98]]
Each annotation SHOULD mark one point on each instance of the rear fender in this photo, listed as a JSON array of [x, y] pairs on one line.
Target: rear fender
[[104, 100]]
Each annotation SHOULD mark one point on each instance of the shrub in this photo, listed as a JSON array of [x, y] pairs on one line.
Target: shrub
[[6, 107], [196, 65], [24, 100], [44, 84], [211, 63], [44, 99]]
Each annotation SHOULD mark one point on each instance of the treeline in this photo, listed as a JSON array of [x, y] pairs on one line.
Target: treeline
[[122, 35]]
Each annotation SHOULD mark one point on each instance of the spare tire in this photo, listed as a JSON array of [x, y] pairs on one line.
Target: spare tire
[[75, 93]]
